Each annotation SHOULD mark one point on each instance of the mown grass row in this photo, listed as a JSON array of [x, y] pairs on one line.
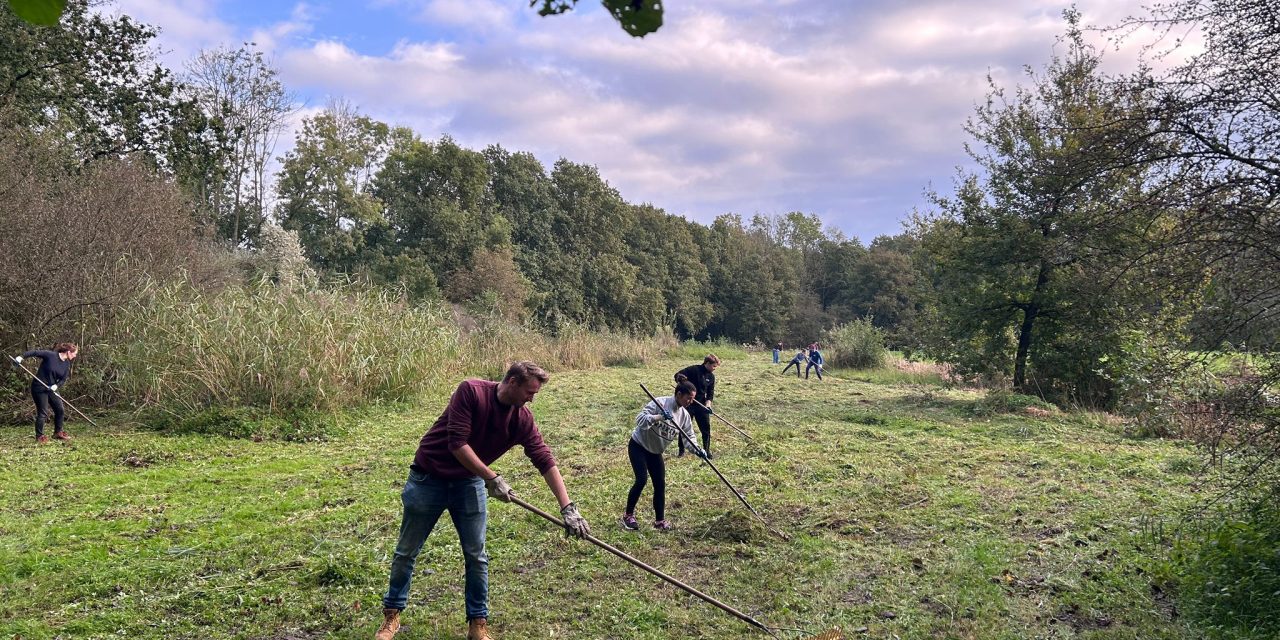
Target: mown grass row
[[913, 515]]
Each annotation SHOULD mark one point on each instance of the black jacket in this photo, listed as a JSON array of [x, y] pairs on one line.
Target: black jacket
[[53, 370], [704, 380]]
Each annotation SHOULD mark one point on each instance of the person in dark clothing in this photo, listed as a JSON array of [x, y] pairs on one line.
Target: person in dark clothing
[[815, 362], [657, 424], [55, 368], [704, 380], [795, 362], [451, 472]]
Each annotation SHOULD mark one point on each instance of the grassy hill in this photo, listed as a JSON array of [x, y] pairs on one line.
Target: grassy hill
[[915, 511]]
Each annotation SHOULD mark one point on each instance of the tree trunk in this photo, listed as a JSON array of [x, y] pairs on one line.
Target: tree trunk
[[1030, 312], [1024, 345]]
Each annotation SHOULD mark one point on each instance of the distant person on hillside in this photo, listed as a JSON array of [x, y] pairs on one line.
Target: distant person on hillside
[[800, 356], [657, 425], [55, 368], [704, 380], [777, 351], [815, 362], [450, 472]]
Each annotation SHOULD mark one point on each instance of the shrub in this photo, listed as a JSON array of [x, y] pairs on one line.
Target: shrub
[[999, 401], [855, 345], [255, 423], [1229, 575]]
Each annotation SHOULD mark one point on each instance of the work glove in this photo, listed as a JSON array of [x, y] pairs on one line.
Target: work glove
[[668, 415], [700, 452], [574, 523], [498, 488], [17, 359], [710, 411], [53, 387]]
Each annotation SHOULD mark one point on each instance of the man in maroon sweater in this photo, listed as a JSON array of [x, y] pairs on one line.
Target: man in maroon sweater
[[451, 472]]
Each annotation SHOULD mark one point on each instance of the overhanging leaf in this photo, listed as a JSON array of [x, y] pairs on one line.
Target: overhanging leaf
[[638, 18], [41, 12]]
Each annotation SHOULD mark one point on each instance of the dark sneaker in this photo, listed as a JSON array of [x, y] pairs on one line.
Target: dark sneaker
[[42, 439], [61, 435], [709, 456], [629, 522], [662, 525]]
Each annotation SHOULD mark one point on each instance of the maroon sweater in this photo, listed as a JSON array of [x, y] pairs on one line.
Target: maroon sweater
[[474, 416]]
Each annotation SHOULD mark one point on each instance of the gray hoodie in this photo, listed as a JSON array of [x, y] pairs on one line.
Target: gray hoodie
[[655, 434]]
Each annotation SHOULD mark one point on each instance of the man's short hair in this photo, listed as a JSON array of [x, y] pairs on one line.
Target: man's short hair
[[520, 372]]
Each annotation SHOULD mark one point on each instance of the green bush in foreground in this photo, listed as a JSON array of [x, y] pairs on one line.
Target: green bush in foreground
[[1229, 575], [294, 425], [855, 345]]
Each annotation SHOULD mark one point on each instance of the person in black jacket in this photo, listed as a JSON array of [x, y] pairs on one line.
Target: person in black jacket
[[702, 377], [55, 367]]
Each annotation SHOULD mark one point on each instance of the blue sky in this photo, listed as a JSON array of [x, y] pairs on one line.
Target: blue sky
[[847, 110]]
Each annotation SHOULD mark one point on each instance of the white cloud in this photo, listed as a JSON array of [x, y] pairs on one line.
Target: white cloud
[[843, 109]]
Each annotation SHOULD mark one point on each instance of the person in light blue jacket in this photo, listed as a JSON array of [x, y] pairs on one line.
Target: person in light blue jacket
[[815, 361]]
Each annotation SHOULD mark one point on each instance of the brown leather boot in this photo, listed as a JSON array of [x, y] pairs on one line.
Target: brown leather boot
[[478, 629], [390, 625]]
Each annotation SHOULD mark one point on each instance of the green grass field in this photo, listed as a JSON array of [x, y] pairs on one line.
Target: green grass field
[[911, 517]]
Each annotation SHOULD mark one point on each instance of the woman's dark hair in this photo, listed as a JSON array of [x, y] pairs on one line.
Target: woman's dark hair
[[64, 347], [683, 386]]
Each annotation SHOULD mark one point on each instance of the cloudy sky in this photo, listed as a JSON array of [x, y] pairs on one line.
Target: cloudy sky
[[847, 110]]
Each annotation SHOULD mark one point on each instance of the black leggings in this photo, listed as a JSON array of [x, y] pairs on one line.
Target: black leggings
[[795, 364], [704, 425], [643, 465], [45, 399]]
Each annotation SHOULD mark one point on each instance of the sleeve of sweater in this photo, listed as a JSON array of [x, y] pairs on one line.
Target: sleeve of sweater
[[462, 405], [686, 424], [534, 448], [645, 418]]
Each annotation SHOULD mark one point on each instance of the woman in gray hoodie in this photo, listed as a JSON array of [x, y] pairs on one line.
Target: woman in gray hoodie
[[657, 426]]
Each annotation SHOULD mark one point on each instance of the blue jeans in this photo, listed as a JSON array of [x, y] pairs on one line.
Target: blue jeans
[[775, 356], [425, 498]]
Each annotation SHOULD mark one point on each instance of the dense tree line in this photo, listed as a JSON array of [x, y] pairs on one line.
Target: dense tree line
[[1105, 213]]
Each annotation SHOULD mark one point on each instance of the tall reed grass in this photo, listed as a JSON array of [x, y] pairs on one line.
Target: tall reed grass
[[280, 347]]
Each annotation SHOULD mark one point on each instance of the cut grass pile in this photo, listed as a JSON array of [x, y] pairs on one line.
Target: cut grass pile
[[911, 516]]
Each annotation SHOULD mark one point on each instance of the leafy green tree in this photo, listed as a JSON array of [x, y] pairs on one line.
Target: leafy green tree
[[437, 204], [91, 78], [673, 282], [1038, 257], [240, 91], [754, 283], [324, 185]]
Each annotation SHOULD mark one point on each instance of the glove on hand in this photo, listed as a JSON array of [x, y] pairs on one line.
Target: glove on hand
[[700, 452], [498, 488], [16, 359], [53, 387], [574, 523], [668, 415]]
